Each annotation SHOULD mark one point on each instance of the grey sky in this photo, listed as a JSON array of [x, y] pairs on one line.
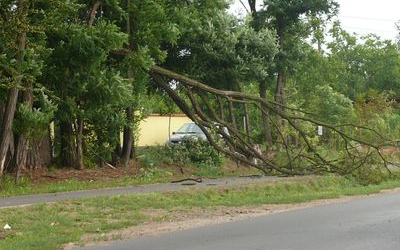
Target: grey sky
[[362, 16]]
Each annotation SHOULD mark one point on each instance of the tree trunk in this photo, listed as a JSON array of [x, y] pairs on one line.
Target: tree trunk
[[232, 114], [44, 150], [23, 144], [2, 110], [12, 100], [128, 139], [247, 127], [281, 79], [79, 144], [67, 149], [265, 116], [117, 152], [93, 12], [280, 92], [252, 4], [128, 132]]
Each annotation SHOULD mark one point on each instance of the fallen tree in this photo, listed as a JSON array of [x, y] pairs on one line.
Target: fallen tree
[[298, 150]]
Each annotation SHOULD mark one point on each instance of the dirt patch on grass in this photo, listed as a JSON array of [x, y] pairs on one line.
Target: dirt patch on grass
[[105, 173]]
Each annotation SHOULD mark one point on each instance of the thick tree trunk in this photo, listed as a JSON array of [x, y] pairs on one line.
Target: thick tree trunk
[[67, 149], [33, 158], [252, 4], [265, 116], [45, 150], [23, 144], [12, 99], [21, 155]]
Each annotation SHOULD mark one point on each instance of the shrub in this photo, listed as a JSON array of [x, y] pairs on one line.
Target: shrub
[[191, 152]]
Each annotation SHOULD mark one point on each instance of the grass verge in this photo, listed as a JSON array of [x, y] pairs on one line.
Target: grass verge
[[146, 176], [26, 187], [50, 226]]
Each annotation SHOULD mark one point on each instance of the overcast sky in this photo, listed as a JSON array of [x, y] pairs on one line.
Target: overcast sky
[[362, 16]]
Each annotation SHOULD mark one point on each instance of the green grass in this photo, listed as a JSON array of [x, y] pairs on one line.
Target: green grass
[[148, 176], [48, 227], [26, 187]]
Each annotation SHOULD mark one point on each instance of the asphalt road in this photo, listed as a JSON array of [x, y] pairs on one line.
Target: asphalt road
[[371, 223], [162, 187]]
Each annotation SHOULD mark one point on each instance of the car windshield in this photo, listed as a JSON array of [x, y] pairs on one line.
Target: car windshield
[[189, 128]]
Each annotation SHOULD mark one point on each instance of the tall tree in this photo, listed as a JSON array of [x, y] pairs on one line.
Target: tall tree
[[286, 18], [17, 70]]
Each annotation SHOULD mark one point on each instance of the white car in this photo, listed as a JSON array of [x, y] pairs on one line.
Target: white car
[[187, 131]]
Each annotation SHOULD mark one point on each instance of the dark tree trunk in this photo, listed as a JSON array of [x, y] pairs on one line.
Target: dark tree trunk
[[67, 148], [128, 139], [265, 116], [117, 153], [8, 118], [252, 4]]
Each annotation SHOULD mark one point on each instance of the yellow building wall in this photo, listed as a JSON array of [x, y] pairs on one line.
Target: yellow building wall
[[154, 129]]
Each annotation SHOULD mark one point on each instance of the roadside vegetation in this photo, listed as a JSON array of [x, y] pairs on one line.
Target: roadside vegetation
[[27, 185], [77, 77], [51, 226]]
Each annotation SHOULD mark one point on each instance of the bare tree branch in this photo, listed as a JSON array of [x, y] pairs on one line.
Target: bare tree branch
[[244, 6]]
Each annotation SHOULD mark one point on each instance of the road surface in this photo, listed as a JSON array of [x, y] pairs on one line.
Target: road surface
[[371, 223], [162, 187]]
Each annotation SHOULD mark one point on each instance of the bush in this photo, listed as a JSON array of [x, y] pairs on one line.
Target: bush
[[193, 152], [199, 152]]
